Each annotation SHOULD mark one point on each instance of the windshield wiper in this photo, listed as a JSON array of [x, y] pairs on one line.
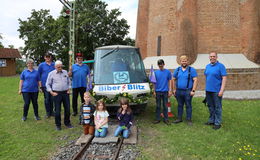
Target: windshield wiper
[[108, 53]]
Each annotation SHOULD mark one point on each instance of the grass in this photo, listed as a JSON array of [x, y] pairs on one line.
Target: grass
[[29, 140], [239, 138], [32, 140]]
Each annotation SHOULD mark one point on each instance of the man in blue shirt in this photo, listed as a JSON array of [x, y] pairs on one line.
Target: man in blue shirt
[[161, 91], [216, 77], [44, 69], [185, 81], [78, 72]]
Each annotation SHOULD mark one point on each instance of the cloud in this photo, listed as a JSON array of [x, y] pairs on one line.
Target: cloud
[[11, 10], [12, 40], [129, 12]]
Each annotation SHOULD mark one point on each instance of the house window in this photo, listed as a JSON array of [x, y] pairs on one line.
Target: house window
[[2, 62]]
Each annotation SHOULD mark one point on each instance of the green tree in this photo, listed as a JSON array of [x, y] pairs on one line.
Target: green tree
[[96, 26], [38, 33]]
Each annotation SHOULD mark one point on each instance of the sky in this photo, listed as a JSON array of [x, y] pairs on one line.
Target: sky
[[12, 10]]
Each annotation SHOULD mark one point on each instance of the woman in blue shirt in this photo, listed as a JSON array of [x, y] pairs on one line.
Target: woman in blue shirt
[[29, 88]]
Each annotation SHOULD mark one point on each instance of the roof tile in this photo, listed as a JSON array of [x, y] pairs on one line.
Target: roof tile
[[9, 53]]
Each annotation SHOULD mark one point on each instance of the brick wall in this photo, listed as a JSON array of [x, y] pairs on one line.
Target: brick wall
[[250, 29], [187, 29], [237, 79], [162, 22], [199, 26], [142, 26], [218, 26]]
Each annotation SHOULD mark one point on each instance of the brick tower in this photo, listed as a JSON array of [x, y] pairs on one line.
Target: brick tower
[[192, 27]]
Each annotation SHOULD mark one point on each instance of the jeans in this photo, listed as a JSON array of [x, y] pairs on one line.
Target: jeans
[[183, 97], [103, 132], [161, 96], [215, 107], [27, 98], [64, 98], [75, 94], [119, 129], [48, 102]]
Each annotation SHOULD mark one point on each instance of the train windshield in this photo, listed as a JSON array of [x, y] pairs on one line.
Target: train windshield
[[118, 66]]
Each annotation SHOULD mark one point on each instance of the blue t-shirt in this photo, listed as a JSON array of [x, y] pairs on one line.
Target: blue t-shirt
[[162, 79], [182, 77], [44, 69], [79, 75], [214, 74], [30, 80]]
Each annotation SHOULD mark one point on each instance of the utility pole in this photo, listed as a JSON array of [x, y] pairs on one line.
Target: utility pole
[[71, 11]]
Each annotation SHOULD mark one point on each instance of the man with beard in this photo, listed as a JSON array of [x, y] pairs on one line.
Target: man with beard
[[184, 86]]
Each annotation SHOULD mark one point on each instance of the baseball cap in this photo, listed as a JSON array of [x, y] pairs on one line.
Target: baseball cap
[[79, 55], [48, 54]]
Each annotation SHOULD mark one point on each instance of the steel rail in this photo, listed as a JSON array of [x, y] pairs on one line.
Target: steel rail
[[82, 150], [119, 148]]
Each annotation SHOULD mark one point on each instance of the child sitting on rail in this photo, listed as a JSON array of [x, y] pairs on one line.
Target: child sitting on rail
[[101, 119], [125, 117], [86, 115]]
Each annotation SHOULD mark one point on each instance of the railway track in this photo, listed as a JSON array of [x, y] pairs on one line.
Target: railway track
[[86, 152]]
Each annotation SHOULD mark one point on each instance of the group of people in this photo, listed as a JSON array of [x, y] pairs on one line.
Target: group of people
[[183, 83], [54, 82]]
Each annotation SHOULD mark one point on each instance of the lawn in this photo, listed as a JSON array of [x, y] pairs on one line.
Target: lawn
[[239, 137]]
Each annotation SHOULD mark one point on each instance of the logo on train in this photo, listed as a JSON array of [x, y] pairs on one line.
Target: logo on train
[[121, 87]]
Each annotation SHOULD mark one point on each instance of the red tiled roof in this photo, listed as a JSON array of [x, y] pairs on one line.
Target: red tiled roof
[[9, 53]]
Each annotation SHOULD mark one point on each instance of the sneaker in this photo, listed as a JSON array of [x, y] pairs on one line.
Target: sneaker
[[69, 126], [37, 118], [156, 121], [177, 121], [74, 114], [47, 116], [216, 127], [167, 122], [189, 122], [208, 123], [24, 119], [58, 128]]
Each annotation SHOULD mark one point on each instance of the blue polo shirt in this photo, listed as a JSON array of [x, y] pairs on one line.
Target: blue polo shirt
[[79, 75], [30, 80], [162, 79], [44, 69], [182, 77], [214, 74]]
